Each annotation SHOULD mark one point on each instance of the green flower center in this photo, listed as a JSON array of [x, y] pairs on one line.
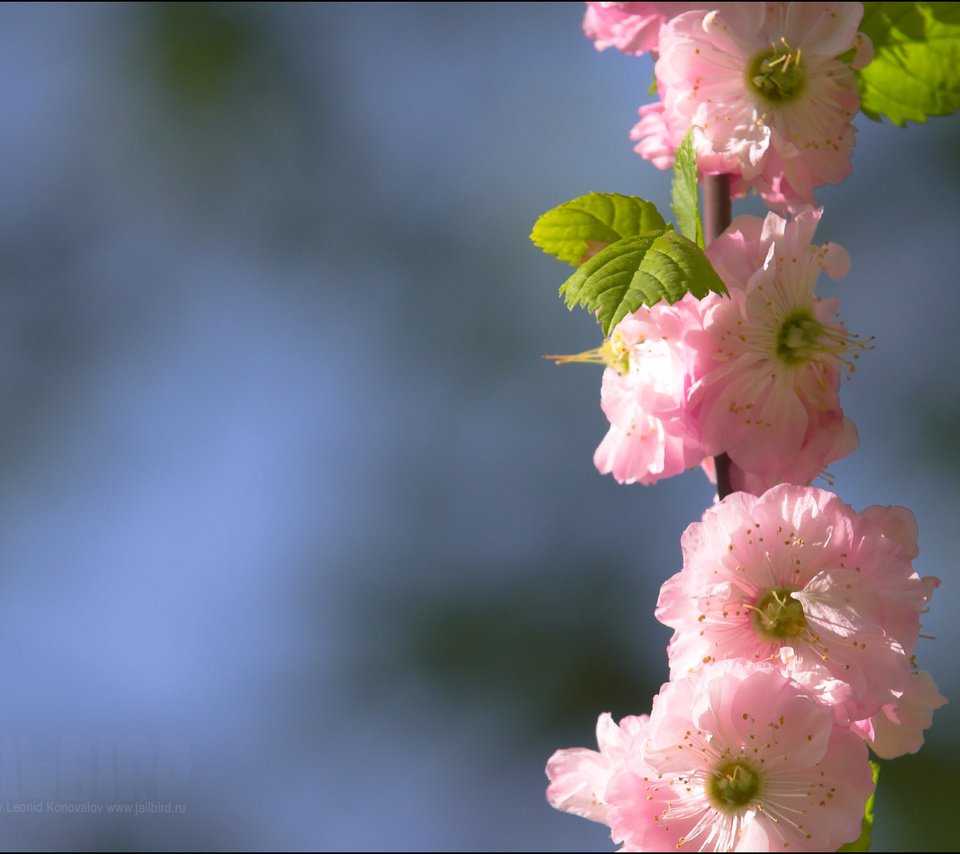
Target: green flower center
[[777, 75], [778, 616], [733, 786], [799, 338]]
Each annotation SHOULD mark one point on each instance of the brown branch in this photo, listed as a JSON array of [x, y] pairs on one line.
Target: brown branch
[[717, 215]]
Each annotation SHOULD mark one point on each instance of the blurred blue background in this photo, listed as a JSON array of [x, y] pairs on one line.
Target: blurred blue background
[[302, 545]]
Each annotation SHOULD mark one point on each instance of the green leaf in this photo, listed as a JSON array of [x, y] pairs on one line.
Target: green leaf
[[686, 191], [587, 224], [862, 843], [915, 72], [640, 270]]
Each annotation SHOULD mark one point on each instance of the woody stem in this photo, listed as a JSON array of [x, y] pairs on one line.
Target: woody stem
[[717, 214]]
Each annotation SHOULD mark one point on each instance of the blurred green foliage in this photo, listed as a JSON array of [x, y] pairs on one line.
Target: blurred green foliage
[[198, 50], [545, 653]]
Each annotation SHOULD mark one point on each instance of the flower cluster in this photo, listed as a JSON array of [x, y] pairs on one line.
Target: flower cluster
[[795, 621], [768, 88], [755, 374], [795, 618]]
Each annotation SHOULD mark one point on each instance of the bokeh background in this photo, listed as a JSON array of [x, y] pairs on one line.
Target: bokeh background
[[301, 544]]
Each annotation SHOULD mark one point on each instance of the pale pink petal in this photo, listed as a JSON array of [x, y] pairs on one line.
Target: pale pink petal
[[827, 29], [632, 28], [579, 776], [898, 727], [897, 524], [863, 51], [636, 803], [656, 141]]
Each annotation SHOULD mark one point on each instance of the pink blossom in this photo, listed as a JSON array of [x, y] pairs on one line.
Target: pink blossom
[[798, 578], [654, 137], [770, 357], [633, 28], [761, 84], [898, 727], [643, 395], [579, 776], [738, 758]]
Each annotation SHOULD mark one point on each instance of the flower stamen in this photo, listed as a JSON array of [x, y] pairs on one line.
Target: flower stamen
[[802, 339], [778, 616], [733, 786], [612, 353], [777, 75]]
